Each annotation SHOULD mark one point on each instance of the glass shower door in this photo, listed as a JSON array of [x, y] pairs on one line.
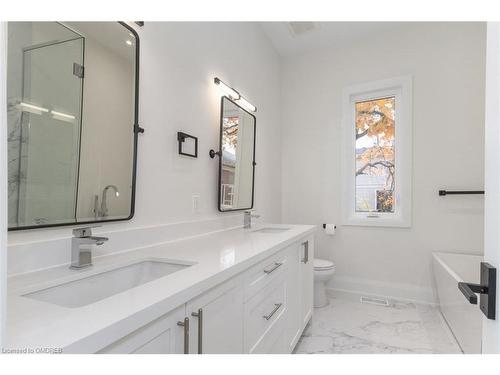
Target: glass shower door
[[51, 104]]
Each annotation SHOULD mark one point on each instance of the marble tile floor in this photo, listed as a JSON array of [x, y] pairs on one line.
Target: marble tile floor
[[349, 326]]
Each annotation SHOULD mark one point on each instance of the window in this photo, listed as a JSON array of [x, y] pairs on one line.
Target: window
[[377, 152], [375, 166], [229, 145]]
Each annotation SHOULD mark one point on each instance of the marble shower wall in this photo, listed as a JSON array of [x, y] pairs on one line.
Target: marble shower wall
[[19, 34], [14, 149]]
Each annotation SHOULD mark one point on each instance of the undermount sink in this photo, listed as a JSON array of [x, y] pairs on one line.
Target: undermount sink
[[99, 286], [271, 230]]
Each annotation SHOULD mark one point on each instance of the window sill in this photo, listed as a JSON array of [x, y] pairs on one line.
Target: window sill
[[380, 221]]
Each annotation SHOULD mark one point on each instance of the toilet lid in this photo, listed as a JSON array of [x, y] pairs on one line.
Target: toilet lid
[[322, 264]]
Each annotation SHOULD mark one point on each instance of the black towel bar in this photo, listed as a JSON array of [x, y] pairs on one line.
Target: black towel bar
[[457, 192]]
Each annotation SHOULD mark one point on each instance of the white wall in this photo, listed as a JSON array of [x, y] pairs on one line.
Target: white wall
[[447, 63], [491, 328], [178, 64]]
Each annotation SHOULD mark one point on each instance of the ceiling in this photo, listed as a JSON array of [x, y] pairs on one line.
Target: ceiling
[[110, 35], [295, 38]]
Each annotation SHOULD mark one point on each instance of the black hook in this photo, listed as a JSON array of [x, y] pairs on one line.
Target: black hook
[[213, 153]]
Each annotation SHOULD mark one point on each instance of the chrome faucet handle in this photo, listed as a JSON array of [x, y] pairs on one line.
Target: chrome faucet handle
[[84, 231], [252, 214], [81, 247], [97, 240], [247, 218]]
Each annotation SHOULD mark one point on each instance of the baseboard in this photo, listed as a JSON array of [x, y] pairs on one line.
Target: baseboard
[[347, 287]]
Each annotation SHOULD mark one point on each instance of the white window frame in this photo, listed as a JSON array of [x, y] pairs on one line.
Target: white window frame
[[401, 89]]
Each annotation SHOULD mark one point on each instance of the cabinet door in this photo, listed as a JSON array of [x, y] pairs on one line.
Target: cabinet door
[[293, 290], [306, 269], [217, 320], [161, 336]]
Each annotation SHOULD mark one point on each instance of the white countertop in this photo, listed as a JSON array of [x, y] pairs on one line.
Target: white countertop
[[217, 257]]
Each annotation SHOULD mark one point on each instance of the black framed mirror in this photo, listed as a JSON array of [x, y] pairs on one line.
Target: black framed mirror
[[72, 99], [236, 157]]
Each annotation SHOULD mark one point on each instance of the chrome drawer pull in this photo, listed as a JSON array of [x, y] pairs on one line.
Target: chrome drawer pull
[[185, 324], [276, 308], [199, 315], [276, 266], [306, 252]]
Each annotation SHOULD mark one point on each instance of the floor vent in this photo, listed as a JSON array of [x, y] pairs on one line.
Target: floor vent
[[374, 301]]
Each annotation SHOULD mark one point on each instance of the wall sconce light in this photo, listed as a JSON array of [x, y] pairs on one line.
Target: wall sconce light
[[235, 95], [246, 104], [232, 93]]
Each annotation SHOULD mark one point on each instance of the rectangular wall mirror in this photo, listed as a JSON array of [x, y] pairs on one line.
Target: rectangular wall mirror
[[237, 157], [72, 94]]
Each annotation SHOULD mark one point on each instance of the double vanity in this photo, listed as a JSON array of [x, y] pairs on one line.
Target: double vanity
[[234, 291]]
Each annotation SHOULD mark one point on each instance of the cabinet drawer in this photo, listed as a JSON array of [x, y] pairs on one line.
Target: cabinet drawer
[[274, 341], [264, 313], [264, 273]]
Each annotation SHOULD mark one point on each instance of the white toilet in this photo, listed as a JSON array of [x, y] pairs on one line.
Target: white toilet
[[323, 271]]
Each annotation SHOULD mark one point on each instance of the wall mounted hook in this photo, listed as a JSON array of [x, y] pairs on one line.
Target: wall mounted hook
[[213, 153]]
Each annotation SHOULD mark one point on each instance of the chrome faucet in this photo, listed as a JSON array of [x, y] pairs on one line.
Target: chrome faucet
[[247, 219], [104, 207], [82, 257]]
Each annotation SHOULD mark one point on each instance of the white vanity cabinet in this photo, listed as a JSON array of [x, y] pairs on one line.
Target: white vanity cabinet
[[264, 309], [217, 320], [306, 282], [162, 336], [266, 305], [299, 290], [294, 319], [212, 323]]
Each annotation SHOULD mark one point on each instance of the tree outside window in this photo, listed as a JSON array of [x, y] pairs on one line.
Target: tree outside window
[[375, 155]]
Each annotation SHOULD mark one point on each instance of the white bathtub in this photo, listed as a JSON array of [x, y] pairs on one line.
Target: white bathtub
[[465, 320]]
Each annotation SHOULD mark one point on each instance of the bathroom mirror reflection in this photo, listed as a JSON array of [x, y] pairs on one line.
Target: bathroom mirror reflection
[[72, 94], [237, 161]]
